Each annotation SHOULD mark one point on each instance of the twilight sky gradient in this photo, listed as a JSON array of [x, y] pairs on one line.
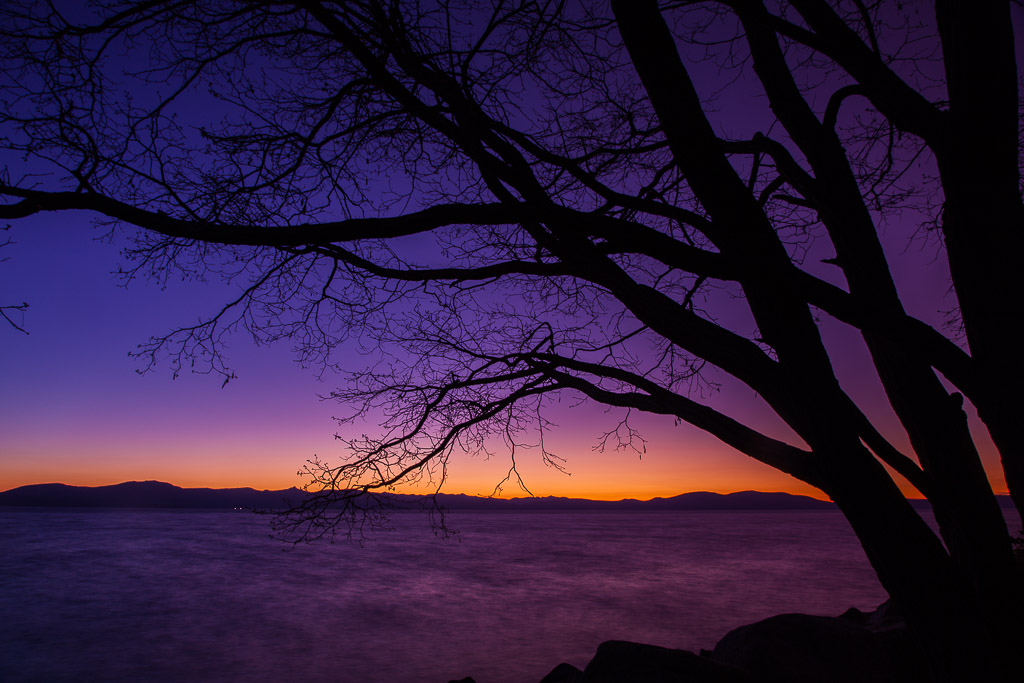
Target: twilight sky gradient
[[73, 409]]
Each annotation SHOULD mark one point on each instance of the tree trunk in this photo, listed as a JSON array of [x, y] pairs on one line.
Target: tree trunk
[[963, 637], [983, 218]]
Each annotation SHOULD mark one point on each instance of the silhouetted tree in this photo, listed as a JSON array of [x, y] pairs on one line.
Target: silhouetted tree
[[501, 201]]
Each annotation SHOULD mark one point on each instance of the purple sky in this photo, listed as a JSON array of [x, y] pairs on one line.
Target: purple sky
[[73, 409]]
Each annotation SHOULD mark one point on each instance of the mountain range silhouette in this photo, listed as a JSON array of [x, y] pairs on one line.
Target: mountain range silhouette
[[157, 494]]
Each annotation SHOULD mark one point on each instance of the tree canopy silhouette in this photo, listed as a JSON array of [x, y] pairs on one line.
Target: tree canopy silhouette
[[502, 202]]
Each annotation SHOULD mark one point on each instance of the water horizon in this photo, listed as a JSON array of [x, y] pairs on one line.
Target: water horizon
[[200, 595]]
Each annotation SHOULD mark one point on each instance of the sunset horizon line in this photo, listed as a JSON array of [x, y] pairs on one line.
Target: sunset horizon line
[[524, 494]]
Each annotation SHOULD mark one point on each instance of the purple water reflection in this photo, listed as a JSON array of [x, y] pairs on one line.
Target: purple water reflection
[[206, 596]]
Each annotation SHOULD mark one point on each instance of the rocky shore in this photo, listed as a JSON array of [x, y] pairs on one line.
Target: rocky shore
[[855, 647]]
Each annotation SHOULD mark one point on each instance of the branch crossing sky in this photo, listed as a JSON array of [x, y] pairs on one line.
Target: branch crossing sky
[[73, 408]]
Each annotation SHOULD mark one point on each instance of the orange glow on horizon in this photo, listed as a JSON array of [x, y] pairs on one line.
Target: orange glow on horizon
[[596, 476]]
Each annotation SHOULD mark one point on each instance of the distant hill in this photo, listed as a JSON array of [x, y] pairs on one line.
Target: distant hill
[[699, 500], [156, 494], [146, 494]]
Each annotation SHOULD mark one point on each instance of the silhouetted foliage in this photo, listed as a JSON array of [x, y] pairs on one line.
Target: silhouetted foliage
[[501, 202]]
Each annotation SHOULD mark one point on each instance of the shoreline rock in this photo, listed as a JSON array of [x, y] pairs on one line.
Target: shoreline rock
[[801, 648], [854, 647]]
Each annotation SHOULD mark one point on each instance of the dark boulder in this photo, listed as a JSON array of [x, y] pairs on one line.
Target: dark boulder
[[891, 630], [856, 647], [563, 673], [618, 661], [800, 648]]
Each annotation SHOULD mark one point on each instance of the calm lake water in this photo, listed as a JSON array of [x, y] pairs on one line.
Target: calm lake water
[[208, 596]]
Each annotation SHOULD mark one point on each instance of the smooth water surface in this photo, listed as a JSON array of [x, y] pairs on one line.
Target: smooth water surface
[[106, 595]]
